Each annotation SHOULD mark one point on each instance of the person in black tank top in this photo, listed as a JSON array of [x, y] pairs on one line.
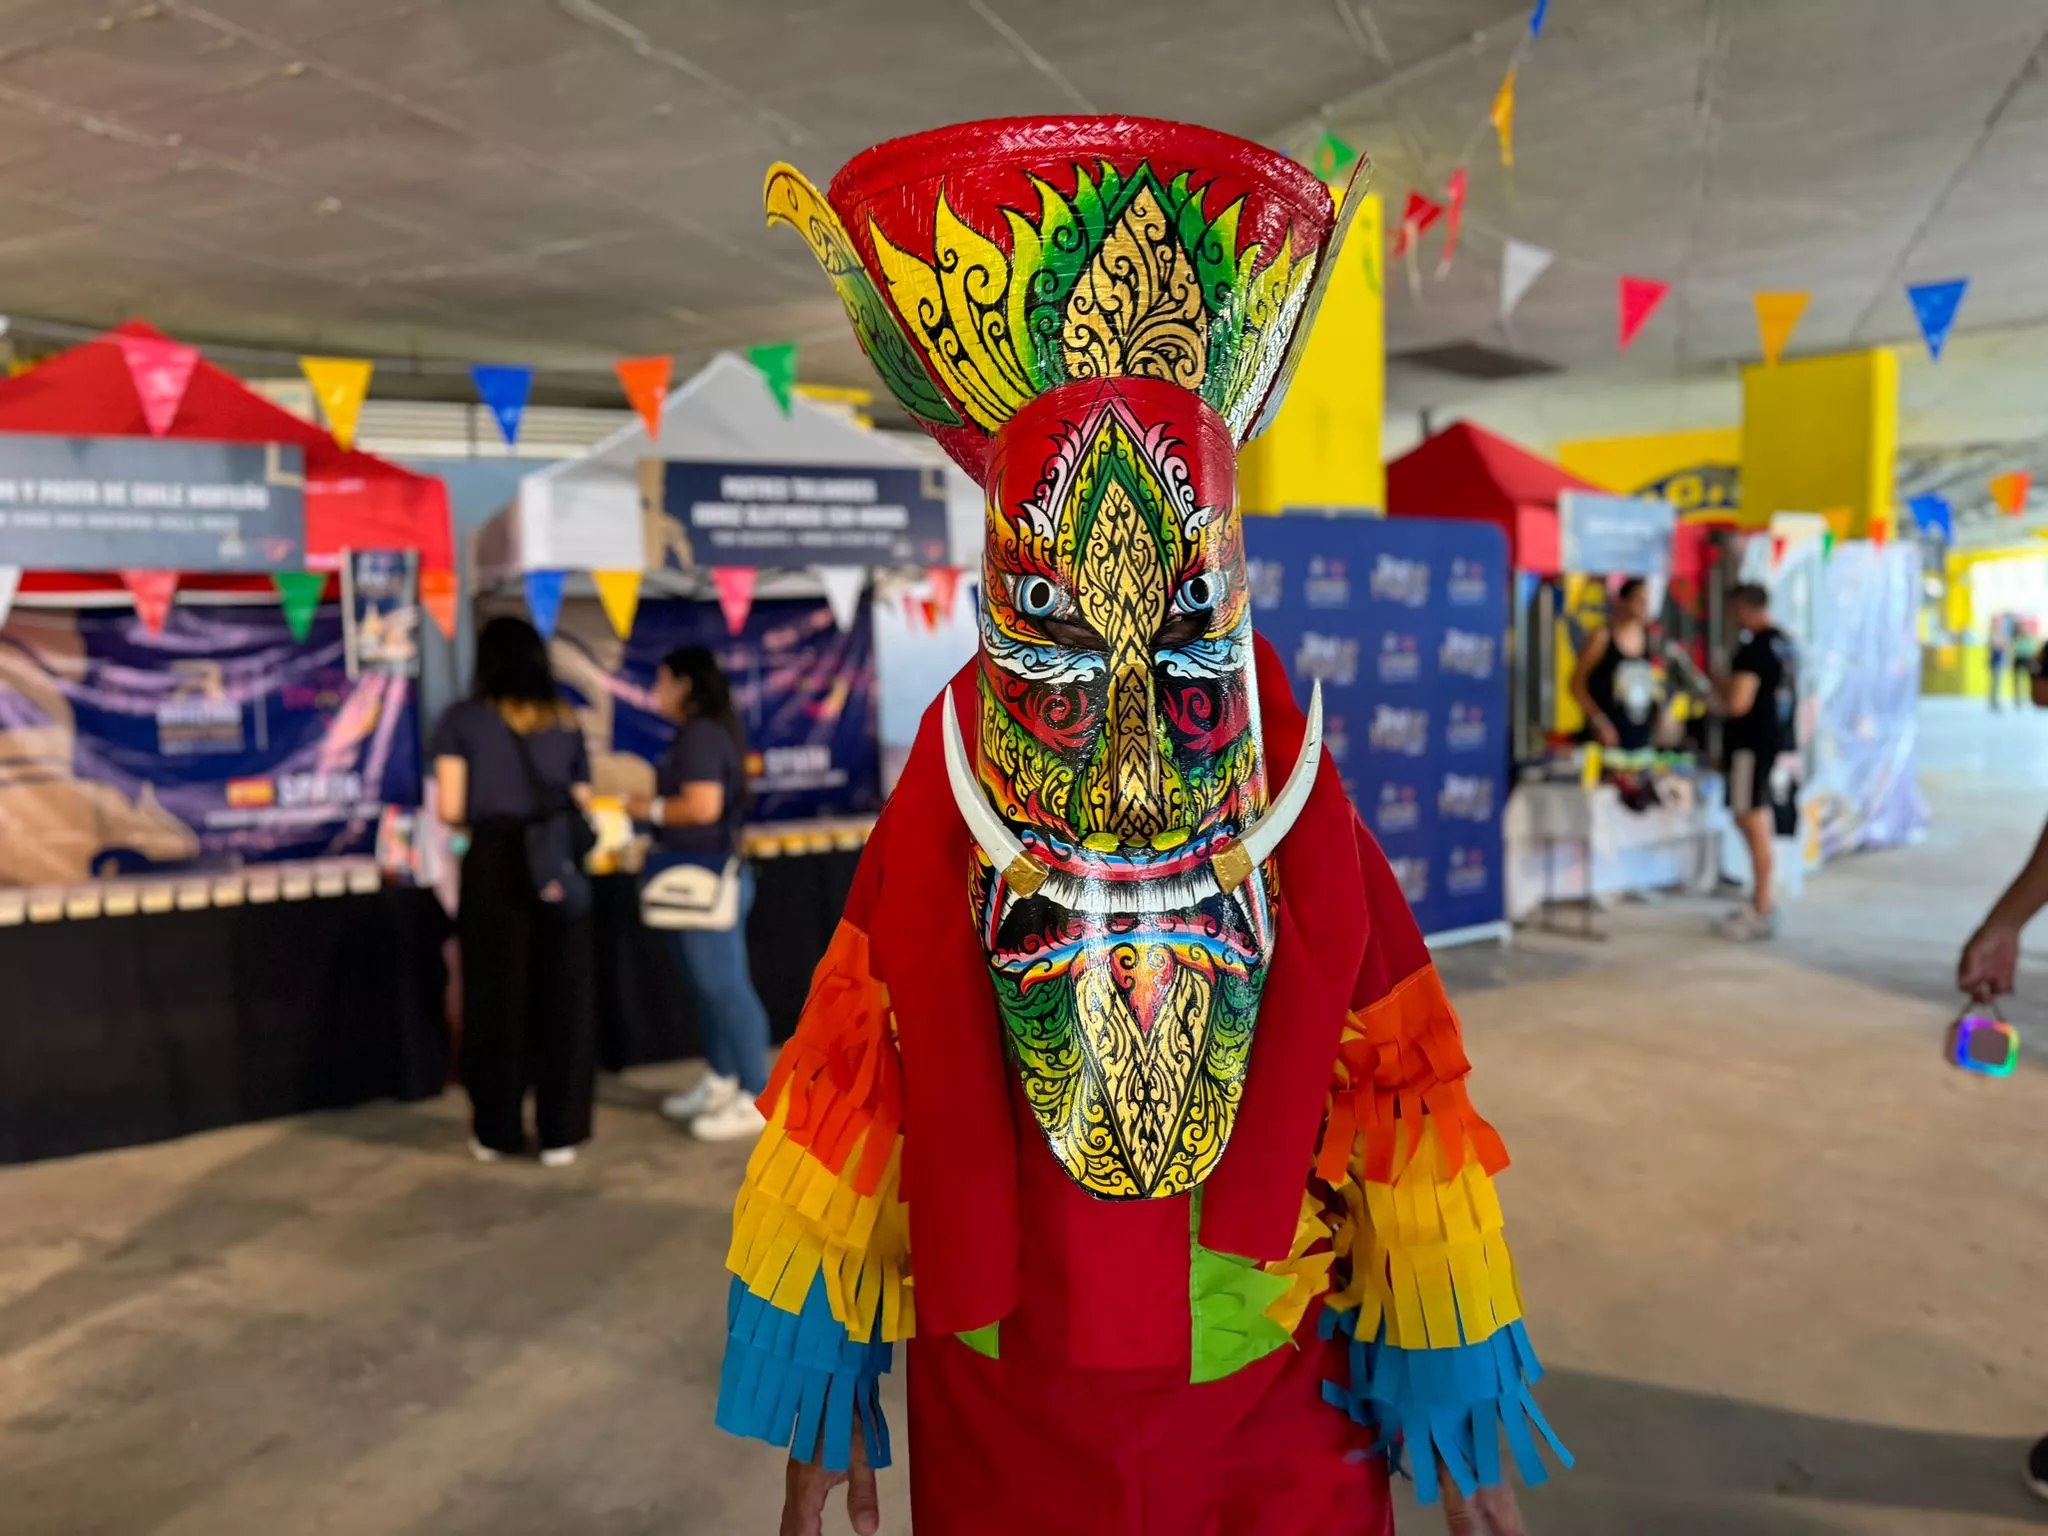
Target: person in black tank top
[[1619, 682]]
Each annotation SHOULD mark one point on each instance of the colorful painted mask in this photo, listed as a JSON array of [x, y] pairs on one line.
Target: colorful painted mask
[[1091, 314]]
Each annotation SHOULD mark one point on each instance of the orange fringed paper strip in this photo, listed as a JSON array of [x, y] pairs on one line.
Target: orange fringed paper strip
[[1426, 1251], [1399, 1059], [820, 1194]]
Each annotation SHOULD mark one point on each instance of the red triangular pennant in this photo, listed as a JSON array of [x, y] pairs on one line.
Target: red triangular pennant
[[160, 370], [2009, 491], [1640, 296], [645, 381], [1454, 214], [945, 580], [152, 591], [1420, 213], [735, 593]]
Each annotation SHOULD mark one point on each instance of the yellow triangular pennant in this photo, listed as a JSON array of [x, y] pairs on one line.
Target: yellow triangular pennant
[[341, 383], [619, 591], [1503, 116], [1776, 316]]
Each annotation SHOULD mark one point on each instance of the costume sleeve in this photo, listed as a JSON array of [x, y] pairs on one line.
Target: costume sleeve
[[820, 1246], [1439, 1359]]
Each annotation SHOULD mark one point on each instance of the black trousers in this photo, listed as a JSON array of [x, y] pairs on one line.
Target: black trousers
[[528, 1019]]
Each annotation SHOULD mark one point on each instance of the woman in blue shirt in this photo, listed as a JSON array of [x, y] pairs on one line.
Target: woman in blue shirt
[[699, 803]]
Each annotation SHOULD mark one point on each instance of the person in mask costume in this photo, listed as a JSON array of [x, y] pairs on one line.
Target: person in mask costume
[[1126, 1094]]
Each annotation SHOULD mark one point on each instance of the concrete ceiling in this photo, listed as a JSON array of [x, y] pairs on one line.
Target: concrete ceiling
[[566, 181]]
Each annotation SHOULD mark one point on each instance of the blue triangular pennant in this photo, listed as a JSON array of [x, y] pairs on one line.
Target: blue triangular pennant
[[1934, 515], [544, 599], [1935, 305], [504, 389], [1536, 20]]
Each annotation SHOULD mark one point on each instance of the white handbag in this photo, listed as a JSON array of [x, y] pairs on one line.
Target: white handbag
[[691, 896]]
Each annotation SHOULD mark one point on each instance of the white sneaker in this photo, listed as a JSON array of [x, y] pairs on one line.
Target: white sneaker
[[1745, 927], [711, 1093], [558, 1157], [484, 1154], [738, 1120]]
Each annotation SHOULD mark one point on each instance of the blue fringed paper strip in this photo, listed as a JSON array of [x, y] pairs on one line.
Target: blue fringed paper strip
[[789, 1377]]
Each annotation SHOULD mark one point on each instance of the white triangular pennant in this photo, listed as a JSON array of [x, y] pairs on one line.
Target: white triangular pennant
[[1520, 265], [10, 583], [843, 586]]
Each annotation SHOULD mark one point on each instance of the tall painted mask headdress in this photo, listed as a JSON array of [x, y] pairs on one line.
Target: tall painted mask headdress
[[1091, 315]]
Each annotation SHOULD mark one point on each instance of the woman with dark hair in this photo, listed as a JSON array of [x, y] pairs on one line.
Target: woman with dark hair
[[1617, 682], [699, 803], [505, 759]]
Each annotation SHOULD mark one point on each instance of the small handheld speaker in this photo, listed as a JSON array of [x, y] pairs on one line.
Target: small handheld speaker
[[1983, 1043]]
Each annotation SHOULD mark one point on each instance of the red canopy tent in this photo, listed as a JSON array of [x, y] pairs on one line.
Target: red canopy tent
[[354, 500], [1467, 472]]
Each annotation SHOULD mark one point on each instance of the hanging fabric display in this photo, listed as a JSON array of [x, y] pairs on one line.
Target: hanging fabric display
[[544, 599], [1935, 306], [645, 381], [340, 384], [735, 593], [161, 371], [1638, 300], [438, 596], [843, 586], [153, 592], [1520, 265], [298, 594], [619, 591], [504, 389], [1777, 314], [778, 370]]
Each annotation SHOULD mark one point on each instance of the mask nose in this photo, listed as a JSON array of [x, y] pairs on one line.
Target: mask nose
[[1131, 790]]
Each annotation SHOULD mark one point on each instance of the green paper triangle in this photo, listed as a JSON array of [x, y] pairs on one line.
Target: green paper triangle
[[777, 363], [299, 592], [1332, 158]]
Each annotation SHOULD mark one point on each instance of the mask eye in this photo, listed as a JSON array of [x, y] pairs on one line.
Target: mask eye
[[1198, 594], [1040, 598]]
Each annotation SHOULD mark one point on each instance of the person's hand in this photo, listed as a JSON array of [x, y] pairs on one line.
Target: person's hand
[[807, 1484], [1989, 960], [1604, 729], [1489, 1512], [638, 807]]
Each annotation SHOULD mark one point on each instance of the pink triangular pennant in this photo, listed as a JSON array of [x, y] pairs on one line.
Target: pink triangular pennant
[[913, 610], [735, 593], [1639, 297], [152, 591], [161, 370], [945, 580], [1454, 215]]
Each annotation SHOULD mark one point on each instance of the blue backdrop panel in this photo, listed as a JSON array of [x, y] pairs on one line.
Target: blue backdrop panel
[[805, 690], [220, 742], [1405, 622]]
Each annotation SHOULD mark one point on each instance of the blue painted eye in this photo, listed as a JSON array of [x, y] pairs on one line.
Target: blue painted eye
[[1039, 598], [1198, 594]]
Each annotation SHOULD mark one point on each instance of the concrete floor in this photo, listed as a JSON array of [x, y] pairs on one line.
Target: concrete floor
[[1790, 1271]]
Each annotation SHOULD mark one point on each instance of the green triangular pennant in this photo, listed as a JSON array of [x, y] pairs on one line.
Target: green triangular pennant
[[1332, 158], [298, 592], [777, 363]]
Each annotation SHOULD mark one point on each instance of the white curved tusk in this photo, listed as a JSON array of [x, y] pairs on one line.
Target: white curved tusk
[[1264, 835], [998, 843]]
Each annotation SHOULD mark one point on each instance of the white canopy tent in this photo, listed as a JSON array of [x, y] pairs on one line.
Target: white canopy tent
[[586, 514]]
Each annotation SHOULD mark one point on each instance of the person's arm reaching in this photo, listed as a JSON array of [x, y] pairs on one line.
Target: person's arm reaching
[[1993, 953], [1589, 658]]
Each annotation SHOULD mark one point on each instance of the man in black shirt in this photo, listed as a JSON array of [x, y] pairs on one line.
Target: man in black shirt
[[1760, 696]]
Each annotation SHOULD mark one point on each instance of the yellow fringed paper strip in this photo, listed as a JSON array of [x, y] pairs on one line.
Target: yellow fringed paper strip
[[795, 1217], [1427, 1251], [1308, 1272]]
